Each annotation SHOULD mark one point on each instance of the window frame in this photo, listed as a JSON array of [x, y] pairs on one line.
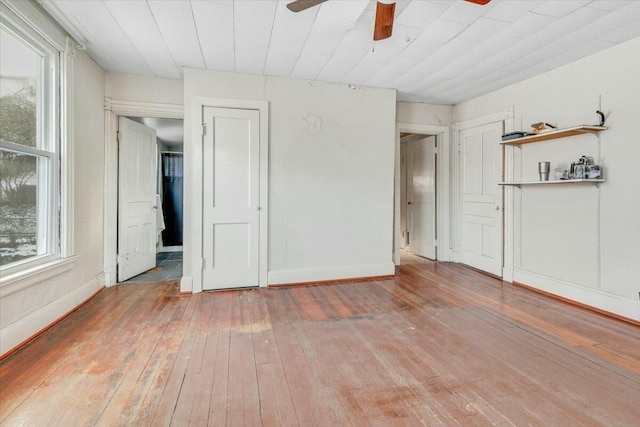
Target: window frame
[[29, 24]]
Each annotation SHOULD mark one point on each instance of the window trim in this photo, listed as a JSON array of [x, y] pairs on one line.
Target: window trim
[[27, 19]]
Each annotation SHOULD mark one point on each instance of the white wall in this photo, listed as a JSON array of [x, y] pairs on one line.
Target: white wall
[[131, 87], [562, 244], [331, 169], [424, 114], [24, 313]]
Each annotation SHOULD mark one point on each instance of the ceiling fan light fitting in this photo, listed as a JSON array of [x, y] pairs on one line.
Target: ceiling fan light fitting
[[383, 26]]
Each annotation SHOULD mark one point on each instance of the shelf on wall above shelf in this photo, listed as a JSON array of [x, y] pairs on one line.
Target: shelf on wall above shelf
[[554, 134], [563, 181]]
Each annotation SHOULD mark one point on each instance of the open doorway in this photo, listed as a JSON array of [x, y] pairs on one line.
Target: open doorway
[[422, 193], [114, 110], [156, 178], [418, 234]]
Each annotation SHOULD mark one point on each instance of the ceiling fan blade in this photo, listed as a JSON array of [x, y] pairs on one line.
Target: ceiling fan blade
[[480, 2], [300, 5], [383, 26]]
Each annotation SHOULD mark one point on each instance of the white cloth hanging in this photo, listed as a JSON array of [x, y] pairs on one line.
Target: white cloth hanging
[[159, 218]]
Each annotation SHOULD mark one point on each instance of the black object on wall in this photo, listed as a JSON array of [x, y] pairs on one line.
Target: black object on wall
[[172, 181]]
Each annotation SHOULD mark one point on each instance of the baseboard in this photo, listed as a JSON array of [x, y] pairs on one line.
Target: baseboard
[[23, 331], [186, 284], [334, 281], [323, 274], [591, 298]]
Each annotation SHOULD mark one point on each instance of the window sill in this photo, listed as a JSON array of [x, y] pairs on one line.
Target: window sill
[[23, 279]]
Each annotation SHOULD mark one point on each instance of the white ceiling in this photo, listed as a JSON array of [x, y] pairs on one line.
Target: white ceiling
[[169, 131], [441, 51]]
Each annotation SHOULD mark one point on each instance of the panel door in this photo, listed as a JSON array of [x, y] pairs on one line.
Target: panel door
[[136, 198], [481, 197], [230, 198], [422, 197]]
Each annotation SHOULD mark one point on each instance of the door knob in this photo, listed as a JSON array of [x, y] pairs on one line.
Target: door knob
[[155, 207], [497, 207], [258, 208]]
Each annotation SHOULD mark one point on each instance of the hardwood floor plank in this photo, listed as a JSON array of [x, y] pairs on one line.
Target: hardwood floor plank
[[49, 352], [89, 373], [243, 407], [438, 345], [202, 380], [160, 400], [128, 396], [220, 385], [276, 405]]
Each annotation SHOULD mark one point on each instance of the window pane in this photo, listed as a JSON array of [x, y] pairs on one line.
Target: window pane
[[18, 91], [22, 192]]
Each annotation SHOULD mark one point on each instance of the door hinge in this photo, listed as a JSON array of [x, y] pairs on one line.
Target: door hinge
[[204, 128], [202, 263], [408, 239], [118, 137]]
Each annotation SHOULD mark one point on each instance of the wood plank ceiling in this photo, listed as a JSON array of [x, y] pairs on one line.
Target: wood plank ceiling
[[441, 51]]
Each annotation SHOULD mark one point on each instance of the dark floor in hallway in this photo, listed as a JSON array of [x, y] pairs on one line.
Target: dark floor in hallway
[[168, 267]]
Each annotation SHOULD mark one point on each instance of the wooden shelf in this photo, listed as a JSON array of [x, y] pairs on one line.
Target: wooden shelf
[[563, 181], [554, 134]]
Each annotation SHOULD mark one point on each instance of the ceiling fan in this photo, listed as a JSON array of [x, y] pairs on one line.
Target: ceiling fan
[[385, 12]]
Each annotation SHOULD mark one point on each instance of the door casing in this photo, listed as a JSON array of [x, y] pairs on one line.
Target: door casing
[[193, 206], [443, 189], [231, 212], [481, 169], [505, 116], [112, 109]]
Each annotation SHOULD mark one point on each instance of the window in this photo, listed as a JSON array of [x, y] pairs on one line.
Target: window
[[29, 148]]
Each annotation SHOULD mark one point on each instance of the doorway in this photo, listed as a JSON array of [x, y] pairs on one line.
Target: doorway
[[150, 189], [227, 201], [418, 154], [483, 214], [481, 199], [429, 217], [231, 198], [115, 108]]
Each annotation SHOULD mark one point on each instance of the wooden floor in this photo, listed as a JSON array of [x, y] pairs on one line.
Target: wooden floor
[[439, 345]]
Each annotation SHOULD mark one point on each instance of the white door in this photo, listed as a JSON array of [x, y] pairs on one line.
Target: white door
[[422, 197], [136, 198], [404, 227], [481, 197], [231, 196]]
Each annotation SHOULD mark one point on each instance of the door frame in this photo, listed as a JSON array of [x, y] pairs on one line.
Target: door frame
[[505, 116], [113, 108], [408, 171], [193, 155], [443, 190]]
